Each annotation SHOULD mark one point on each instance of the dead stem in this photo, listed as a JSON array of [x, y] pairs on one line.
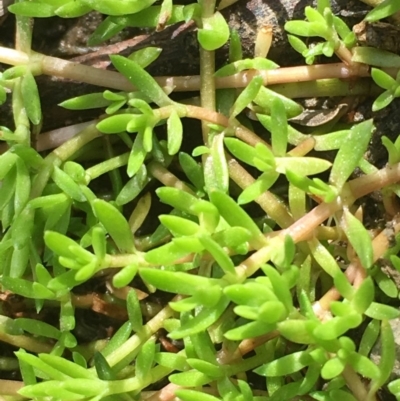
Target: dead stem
[[11, 387]]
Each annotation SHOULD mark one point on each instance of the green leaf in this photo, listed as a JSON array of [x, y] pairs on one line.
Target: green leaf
[[214, 32], [174, 133], [279, 128], [364, 366], [122, 7], [250, 293], [66, 367], [257, 63], [359, 238], [30, 9], [241, 150], [59, 244], [22, 187], [280, 286], [382, 312], [137, 155], [191, 378], [165, 254], [337, 326], [72, 9], [202, 321], [364, 295], [134, 311], [179, 226], [178, 198], [30, 97], [298, 331], [3, 95], [192, 169], [68, 185], [235, 215], [133, 187], [205, 367], [246, 96], [118, 339], [170, 360], [388, 355], [103, 369], [85, 102], [382, 101], [301, 28], [37, 327], [26, 288], [141, 79], [385, 283], [369, 337], [375, 57], [218, 253], [37, 363], [332, 368], [265, 98], [125, 275], [297, 44], [393, 152], [175, 282], [383, 79], [350, 153], [258, 187], [115, 224], [383, 10], [145, 359], [235, 47], [286, 365], [302, 165], [99, 242], [216, 174], [144, 57]]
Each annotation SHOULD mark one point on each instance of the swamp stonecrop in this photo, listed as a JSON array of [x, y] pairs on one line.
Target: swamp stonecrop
[[262, 298]]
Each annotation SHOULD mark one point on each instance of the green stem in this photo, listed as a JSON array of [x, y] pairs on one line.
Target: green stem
[[207, 70], [134, 384], [134, 342], [107, 166]]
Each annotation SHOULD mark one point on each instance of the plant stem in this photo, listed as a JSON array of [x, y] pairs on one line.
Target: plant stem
[[153, 325], [10, 387], [53, 66]]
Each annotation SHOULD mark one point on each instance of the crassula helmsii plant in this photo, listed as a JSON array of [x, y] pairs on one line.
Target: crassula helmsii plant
[[258, 303]]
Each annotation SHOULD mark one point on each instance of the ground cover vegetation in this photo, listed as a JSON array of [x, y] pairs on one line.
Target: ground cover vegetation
[[236, 262]]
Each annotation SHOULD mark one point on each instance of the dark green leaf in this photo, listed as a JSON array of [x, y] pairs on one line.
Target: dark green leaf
[[103, 369]]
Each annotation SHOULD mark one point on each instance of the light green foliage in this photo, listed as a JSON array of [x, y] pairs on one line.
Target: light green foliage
[[391, 86], [322, 23]]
